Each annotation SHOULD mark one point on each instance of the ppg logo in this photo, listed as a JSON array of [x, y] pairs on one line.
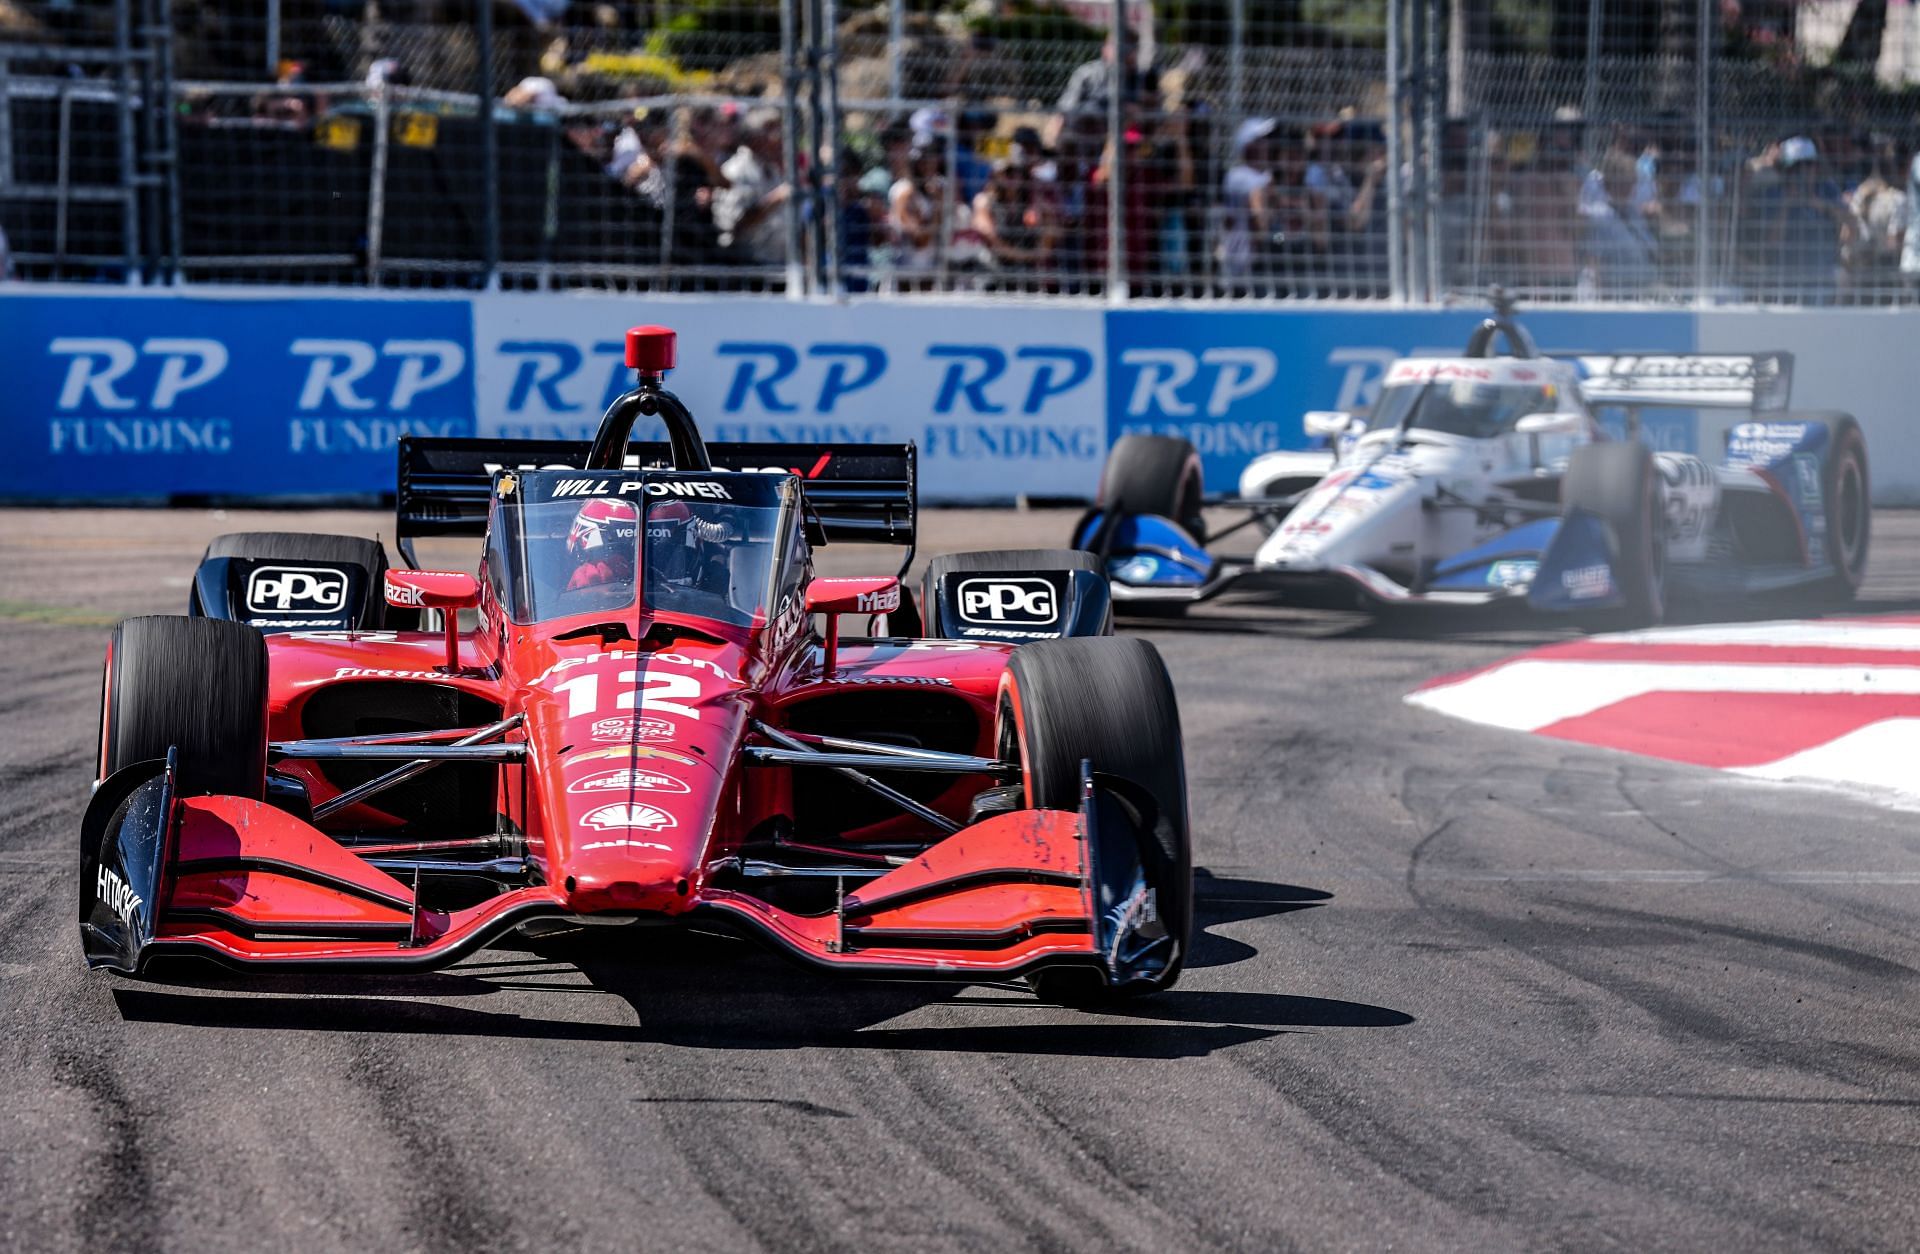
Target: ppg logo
[[296, 590], [1007, 600]]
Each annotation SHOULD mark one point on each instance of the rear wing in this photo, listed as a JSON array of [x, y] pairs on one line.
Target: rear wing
[[1759, 382], [865, 493]]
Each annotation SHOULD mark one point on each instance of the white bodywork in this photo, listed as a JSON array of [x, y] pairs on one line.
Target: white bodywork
[[1381, 503]]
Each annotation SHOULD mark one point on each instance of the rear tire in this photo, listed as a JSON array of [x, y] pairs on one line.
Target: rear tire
[[195, 684], [1848, 501], [1107, 700], [1154, 474], [1618, 481], [298, 546]]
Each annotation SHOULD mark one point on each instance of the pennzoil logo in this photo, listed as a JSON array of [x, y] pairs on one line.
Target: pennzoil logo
[[627, 780], [619, 753]]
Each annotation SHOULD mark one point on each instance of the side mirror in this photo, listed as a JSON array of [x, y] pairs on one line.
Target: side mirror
[[432, 589], [1561, 423], [1331, 423], [834, 597], [448, 591]]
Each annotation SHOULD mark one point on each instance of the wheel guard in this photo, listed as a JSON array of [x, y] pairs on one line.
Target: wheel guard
[[243, 882], [1576, 571]]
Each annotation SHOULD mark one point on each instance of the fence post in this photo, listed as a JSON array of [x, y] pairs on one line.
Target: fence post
[[1590, 94], [1396, 204], [1703, 154], [827, 153], [1117, 167], [131, 232], [377, 180], [1236, 63], [1430, 142], [896, 36], [489, 147], [789, 141]]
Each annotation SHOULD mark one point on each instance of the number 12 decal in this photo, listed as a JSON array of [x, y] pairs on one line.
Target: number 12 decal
[[663, 693]]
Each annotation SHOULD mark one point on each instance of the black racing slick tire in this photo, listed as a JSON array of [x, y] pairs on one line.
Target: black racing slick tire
[[198, 685], [1618, 481], [1847, 498], [1154, 474], [297, 546], [1107, 700]]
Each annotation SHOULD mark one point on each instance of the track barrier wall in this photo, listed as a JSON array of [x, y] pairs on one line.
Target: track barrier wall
[[131, 396]]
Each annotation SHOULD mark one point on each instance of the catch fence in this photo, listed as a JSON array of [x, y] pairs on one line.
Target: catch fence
[[1592, 151]]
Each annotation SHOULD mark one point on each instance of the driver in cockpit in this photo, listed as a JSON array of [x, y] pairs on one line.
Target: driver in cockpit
[[602, 544], [689, 547]]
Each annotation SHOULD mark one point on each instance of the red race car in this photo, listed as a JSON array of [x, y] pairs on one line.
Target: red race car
[[642, 725]]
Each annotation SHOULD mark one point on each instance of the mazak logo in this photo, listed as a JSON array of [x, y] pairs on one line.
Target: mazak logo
[[630, 815], [296, 589], [116, 896], [626, 727], [996, 601], [623, 781], [885, 601]]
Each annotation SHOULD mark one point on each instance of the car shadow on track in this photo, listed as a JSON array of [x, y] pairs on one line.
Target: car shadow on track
[[710, 991]]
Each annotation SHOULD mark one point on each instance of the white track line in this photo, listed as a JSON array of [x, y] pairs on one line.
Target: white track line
[[1529, 694], [1879, 755]]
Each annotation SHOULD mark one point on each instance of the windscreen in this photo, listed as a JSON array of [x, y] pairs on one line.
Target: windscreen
[[706, 558], [1463, 407]]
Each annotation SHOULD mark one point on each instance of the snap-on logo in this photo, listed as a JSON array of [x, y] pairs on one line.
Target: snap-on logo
[[296, 589], [1003, 600]]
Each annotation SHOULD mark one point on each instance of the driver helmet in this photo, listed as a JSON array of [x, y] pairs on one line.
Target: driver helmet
[[601, 543], [685, 548]]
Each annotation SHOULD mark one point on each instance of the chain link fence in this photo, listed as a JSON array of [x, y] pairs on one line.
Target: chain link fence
[[1639, 151]]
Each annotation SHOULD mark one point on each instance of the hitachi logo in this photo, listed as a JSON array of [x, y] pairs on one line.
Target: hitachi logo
[[116, 896]]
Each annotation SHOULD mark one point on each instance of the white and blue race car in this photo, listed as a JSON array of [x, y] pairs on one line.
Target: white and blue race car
[[1487, 477]]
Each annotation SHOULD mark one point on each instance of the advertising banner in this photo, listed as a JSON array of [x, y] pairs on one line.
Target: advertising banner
[[129, 397], [1002, 401], [1234, 383]]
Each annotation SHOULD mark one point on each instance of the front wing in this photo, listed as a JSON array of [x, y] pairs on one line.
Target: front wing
[[245, 883]]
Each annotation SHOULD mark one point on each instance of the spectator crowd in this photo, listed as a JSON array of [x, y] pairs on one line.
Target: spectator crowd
[[972, 198]]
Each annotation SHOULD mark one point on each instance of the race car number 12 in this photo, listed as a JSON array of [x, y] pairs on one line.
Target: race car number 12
[[660, 693]]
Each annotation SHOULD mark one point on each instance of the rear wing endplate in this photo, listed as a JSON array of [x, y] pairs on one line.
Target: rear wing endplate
[[865, 493], [1760, 382]]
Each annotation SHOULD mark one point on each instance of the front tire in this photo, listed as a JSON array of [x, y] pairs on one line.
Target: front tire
[[1107, 700], [1848, 503], [1618, 482], [1154, 474], [198, 685]]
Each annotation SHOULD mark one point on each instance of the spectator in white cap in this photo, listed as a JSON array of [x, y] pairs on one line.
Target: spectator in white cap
[[1248, 192], [534, 92]]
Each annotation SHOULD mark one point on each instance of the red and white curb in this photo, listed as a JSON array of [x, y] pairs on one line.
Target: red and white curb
[[1833, 701]]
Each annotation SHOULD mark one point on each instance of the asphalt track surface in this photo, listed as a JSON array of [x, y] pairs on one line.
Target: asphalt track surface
[[1450, 994]]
